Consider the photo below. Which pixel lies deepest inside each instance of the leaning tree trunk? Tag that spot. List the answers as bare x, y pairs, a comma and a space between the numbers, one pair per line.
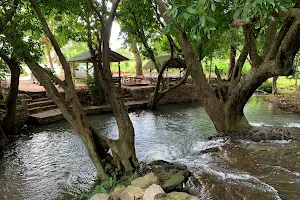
9, 121
137, 58
274, 85
69, 104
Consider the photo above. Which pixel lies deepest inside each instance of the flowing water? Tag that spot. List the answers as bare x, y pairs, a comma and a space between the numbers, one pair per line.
50, 162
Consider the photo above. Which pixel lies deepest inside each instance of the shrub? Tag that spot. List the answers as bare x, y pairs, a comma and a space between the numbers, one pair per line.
266, 86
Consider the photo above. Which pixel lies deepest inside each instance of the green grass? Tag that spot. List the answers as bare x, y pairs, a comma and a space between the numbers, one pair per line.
284, 82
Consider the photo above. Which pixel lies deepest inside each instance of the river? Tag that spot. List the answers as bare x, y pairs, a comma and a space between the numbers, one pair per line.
50, 162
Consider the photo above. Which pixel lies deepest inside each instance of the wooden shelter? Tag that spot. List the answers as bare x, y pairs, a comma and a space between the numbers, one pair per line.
86, 57
161, 60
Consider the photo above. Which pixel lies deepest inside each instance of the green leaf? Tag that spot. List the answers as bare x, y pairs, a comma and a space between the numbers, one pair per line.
237, 14
202, 21
213, 7
191, 10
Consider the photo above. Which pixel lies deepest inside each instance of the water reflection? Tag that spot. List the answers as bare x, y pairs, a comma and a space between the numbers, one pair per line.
50, 162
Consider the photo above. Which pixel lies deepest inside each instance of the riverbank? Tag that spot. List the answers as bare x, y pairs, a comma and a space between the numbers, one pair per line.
51, 160
289, 102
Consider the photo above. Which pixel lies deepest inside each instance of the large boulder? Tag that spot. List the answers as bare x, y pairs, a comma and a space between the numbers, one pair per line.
128, 193
117, 191
171, 176
145, 181
152, 191
100, 197
176, 196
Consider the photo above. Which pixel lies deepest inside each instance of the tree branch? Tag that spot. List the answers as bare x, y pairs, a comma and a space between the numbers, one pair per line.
281, 35
10, 14
96, 11
270, 36
251, 43
64, 63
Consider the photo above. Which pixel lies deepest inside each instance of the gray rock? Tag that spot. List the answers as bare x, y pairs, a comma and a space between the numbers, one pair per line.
131, 192
177, 196
145, 181
152, 191
117, 191
100, 197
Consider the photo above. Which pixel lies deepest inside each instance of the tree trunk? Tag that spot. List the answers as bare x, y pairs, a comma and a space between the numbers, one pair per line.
3, 139
99, 97
232, 62
137, 58
123, 149
48, 49
97, 92
9, 120
274, 85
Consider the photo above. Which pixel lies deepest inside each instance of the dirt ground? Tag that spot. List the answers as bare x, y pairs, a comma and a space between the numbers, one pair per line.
286, 101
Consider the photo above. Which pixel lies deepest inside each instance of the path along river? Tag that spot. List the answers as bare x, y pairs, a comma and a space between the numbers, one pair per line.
50, 162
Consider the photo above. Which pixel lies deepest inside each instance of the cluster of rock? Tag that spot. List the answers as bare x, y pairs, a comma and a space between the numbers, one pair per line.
144, 188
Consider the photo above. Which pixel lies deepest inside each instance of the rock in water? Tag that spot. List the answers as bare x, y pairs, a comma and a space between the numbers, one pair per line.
100, 197
152, 191
145, 181
177, 196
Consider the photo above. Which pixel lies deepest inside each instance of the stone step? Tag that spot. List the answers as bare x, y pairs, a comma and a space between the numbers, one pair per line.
46, 117
127, 95
40, 104
54, 115
41, 99
128, 99
36, 110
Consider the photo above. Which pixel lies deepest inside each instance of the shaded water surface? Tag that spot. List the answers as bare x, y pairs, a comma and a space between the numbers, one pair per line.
50, 162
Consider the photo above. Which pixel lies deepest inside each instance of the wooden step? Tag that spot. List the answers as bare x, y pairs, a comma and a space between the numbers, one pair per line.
36, 110
40, 104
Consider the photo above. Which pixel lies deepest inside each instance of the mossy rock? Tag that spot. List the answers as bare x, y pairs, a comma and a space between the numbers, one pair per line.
171, 176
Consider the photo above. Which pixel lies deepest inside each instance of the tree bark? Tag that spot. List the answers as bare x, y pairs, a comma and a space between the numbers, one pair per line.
98, 98
274, 85
9, 121
137, 58
3, 139
48, 49
232, 62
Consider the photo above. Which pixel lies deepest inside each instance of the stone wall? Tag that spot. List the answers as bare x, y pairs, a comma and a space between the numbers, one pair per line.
184, 93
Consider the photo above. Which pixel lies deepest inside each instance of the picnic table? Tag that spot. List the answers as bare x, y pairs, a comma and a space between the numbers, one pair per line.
133, 79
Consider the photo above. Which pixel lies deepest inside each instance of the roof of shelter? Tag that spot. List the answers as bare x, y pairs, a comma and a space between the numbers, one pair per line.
86, 57
161, 60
